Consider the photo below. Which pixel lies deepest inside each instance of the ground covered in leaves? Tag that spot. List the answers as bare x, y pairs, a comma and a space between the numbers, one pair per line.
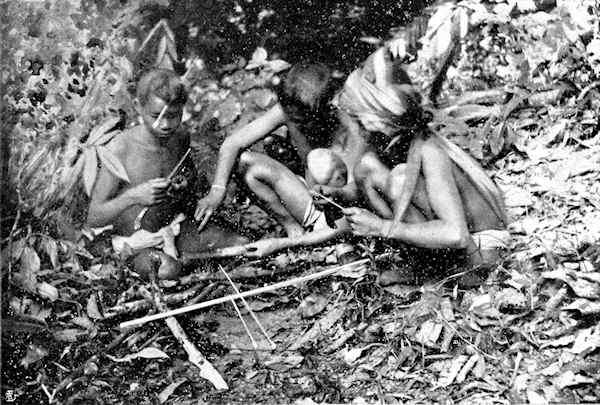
521, 94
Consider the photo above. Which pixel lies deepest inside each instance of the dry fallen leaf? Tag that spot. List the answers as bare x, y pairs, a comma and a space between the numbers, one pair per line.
284, 362
510, 300
169, 390
569, 378
584, 307
312, 305
587, 340
147, 353
34, 353
584, 285
429, 333
448, 374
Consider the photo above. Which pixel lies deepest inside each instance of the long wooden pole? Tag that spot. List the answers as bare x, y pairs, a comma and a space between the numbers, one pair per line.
227, 298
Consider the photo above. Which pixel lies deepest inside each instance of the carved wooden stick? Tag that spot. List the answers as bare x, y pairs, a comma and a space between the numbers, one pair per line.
207, 370
257, 291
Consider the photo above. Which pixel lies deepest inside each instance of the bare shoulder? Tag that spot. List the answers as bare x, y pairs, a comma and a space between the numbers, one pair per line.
121, 143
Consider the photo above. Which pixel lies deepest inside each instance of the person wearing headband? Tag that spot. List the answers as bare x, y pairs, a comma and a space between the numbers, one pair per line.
423, 190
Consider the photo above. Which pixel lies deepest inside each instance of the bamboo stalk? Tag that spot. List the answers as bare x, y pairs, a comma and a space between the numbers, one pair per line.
257, 291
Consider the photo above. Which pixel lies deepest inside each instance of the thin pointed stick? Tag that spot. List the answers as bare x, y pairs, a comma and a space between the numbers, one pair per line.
160, 116
252, 314
329, 200
237, 309
150, 34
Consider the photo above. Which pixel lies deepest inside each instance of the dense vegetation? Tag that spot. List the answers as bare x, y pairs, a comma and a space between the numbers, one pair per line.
516, 83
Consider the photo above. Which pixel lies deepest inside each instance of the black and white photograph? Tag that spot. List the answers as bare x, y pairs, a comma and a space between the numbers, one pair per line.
300, 202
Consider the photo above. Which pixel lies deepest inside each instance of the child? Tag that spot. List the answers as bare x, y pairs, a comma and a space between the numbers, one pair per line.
149, 152
314, 123
324, 167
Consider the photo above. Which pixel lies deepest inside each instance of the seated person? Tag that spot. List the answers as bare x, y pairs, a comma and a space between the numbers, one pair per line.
304, 106
149, 152
424, 191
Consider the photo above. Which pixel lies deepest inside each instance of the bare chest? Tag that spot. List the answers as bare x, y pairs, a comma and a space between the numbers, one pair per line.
144, 164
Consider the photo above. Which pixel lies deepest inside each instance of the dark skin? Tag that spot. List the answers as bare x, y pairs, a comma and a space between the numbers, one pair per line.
445, 209
276, 188
149, 152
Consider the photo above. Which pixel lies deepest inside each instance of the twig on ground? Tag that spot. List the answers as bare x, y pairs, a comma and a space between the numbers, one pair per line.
207, 370
257, 291
239, 314
212, 290
516, 368
12, 232
139, 305
239, 273
252, 314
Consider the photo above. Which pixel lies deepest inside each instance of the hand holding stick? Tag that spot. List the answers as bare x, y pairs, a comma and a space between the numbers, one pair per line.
329, 200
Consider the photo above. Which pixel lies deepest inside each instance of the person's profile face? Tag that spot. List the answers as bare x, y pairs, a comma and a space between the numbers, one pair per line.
339, 176
161, 125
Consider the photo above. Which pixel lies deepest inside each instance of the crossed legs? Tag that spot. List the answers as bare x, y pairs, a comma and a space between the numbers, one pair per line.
276, 189
382, 187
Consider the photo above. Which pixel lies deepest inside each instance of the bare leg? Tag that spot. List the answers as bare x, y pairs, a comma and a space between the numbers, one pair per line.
371, 176
380, 185
394, 188
277, 189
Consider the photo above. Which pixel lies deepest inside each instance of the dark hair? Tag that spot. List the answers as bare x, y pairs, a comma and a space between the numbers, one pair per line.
164, 84
309, 85
305, 94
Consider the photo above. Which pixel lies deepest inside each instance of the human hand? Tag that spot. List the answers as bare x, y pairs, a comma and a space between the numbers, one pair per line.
206, 207
397, 48
364, 223
150, 192
332, 193
263, 247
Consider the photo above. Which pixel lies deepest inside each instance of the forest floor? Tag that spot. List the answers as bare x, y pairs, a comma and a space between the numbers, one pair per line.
530, 333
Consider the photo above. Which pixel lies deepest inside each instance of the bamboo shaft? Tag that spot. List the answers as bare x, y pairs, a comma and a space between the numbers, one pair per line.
227, 298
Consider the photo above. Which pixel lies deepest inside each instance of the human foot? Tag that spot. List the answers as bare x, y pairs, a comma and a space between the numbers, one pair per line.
292, 229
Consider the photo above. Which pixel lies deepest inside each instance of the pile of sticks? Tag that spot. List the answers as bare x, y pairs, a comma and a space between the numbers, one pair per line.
202, 288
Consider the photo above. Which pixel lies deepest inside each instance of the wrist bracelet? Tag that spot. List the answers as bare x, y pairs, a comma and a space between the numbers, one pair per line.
218, 186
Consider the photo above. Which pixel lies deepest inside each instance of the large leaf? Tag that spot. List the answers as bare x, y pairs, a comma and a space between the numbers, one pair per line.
71, 176
90, 169
102, 129
107, 137
112, 163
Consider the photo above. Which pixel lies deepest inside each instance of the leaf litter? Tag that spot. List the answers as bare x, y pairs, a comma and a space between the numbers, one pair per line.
521, 337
